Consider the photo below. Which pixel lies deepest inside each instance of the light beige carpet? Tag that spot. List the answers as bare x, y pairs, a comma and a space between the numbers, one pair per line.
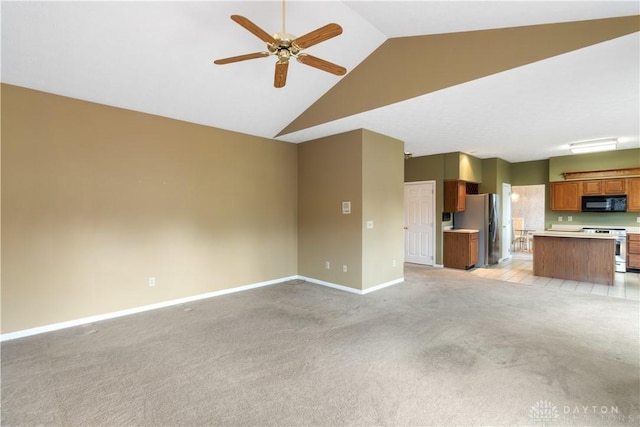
443, 348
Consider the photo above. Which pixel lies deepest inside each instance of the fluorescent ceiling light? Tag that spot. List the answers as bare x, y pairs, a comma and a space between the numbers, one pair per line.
594, 146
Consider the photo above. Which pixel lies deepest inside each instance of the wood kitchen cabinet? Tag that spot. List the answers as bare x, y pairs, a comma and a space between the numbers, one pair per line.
633, 194
603, 186
460, 248
455, 192
614, 186
566, 196
594, 187
633, 250
454, 196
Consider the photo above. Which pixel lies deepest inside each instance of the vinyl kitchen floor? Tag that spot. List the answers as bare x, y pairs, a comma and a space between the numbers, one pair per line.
519, 269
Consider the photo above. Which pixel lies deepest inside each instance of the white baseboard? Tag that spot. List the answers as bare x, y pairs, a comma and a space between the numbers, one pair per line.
106, 316
91, 319
382, 285
348, 289
330, 285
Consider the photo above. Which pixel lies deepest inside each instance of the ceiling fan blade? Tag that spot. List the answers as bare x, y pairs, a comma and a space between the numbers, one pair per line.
280, 78
321, 64
241, 58
253, 28
319, 35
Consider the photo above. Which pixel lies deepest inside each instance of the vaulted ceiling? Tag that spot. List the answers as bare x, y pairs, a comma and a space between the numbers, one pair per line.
519, 80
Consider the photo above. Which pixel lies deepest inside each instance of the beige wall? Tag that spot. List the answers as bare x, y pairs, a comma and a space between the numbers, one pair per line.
451, 165
95, 200
366, 169
495, 172
470, 168
330, 172
619, 159
530, 173
383, 203
462, 166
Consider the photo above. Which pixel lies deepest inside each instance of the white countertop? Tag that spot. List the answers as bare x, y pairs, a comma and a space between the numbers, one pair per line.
574, 234
579, 227
461, 230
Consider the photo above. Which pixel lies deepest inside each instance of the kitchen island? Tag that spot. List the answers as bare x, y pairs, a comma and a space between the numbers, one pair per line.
579, 256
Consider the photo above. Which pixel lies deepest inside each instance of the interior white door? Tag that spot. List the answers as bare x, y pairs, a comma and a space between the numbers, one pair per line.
506, 221
419, 220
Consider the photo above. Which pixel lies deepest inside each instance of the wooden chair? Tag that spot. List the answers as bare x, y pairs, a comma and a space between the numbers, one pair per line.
519, 240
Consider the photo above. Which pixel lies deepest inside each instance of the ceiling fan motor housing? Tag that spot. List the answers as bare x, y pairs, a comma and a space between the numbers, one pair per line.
285, 46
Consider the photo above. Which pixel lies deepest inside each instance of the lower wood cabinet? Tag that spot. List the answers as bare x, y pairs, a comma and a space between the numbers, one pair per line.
460, 248
633, 250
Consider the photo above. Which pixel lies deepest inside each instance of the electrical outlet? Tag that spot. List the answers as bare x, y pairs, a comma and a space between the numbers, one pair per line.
569, 218
638, 220
152, 281
559, 219
327, 265
393, 263
344, 268
369, 224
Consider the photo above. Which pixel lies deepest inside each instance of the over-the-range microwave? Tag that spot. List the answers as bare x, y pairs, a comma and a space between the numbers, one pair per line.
604, 203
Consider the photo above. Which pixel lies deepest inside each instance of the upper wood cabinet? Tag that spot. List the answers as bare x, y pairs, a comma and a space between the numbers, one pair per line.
454, 195
614, 186
594, 187
603, 186
566, 196
633, 194
455, 192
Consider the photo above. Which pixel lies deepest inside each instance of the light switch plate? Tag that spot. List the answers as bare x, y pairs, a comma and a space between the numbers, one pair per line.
369, 224
346, 207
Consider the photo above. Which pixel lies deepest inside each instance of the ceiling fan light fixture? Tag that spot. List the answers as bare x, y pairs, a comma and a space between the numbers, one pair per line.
594, 146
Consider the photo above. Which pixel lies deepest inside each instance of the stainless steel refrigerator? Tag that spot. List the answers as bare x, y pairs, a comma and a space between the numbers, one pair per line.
481, 213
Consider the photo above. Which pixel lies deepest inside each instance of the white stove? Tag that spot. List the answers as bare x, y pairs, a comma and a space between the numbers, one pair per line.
621, 244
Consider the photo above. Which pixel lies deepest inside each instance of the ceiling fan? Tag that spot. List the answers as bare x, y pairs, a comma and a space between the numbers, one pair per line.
286, 46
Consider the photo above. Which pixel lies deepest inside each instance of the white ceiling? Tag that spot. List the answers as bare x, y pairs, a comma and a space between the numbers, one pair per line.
156, 57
